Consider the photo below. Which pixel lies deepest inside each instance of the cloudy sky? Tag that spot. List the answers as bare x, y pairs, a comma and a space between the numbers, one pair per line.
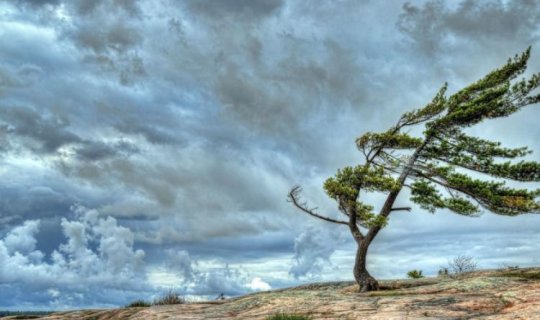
149, 145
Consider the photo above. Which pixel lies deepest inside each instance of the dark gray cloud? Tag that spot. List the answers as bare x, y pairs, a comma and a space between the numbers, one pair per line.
278, 99
248, 9
106, 33
46, 132
19, 77
96, 150
184, 125
152, 133
37, 3
37, 201
85, 8
434, 26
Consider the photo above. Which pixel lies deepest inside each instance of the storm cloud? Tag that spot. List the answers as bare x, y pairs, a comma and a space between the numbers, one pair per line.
155, 143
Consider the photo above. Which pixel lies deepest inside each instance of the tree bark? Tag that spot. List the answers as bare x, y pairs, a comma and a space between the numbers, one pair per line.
365, 281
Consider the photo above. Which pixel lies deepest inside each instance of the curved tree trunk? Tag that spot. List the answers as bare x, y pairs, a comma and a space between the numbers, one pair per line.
365, 281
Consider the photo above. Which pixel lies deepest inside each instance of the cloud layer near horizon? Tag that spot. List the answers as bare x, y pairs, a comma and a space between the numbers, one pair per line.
182, 125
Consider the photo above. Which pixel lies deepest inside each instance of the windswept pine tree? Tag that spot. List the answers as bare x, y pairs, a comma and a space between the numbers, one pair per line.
445, 168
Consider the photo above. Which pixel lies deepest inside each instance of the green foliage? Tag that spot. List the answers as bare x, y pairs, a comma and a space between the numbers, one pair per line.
429, 198
415, 274
284, 316
389, 139
459, 147
461, 206
348, 181
490, 97
433, 109
426, 195
481, 155
487, 104
494, 195
521, 171
367, 218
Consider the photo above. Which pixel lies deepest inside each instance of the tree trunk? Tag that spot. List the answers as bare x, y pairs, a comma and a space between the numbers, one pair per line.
365, 281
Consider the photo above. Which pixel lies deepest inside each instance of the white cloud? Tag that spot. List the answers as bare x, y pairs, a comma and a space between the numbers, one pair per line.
204, 278
22, 239
98, 255
257, 284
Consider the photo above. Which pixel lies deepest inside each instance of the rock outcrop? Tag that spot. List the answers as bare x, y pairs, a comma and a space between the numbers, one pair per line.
502, 294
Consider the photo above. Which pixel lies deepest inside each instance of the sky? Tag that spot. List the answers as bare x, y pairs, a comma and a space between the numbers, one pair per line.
148, 145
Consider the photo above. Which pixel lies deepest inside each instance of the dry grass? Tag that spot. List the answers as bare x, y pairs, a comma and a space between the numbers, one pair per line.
283, 316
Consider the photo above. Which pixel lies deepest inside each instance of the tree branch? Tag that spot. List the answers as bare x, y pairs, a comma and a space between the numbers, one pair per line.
353, 226
295, 200
401, 209
342, 208
482, 202
391, 198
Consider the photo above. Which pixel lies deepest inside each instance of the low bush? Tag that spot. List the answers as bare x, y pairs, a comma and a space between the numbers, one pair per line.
415, 274
139, 304
507, 267
443, 272
462, 264
170, 297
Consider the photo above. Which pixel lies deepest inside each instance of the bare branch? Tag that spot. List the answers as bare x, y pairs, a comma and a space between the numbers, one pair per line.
366, 155
294, 198
462, 264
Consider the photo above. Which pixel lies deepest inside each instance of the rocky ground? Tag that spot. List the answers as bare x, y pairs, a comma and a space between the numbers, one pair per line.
502, 294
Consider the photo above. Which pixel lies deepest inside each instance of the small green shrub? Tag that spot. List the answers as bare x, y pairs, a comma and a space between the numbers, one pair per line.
170, 297
415, 274
443, 272
139, 304
284, 316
